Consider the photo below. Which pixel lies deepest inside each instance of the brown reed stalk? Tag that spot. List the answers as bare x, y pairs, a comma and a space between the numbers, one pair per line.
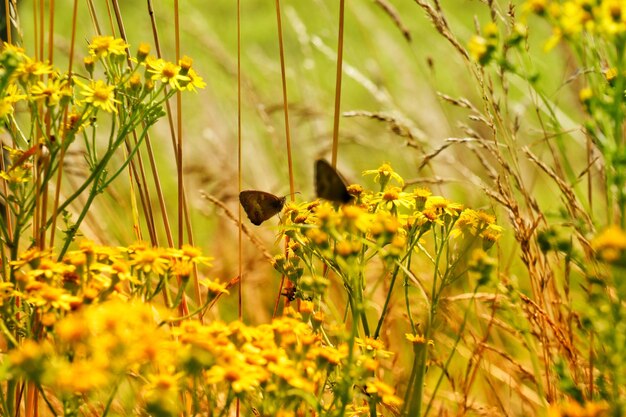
182, 214
41, 232
287, 135
338, 77
94, 19
239, 172
285, 99
7, 13
57, 192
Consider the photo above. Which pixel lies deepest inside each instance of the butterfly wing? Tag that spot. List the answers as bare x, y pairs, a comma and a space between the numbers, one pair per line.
328, 183
259, 205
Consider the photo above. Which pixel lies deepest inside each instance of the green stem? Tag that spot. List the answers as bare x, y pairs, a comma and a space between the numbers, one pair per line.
394, 276
379, 326
452, 351
417, 393
110, 400
71, 233
11, 391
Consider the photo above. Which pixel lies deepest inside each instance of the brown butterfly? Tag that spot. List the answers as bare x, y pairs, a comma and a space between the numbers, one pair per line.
328, 183
260, 206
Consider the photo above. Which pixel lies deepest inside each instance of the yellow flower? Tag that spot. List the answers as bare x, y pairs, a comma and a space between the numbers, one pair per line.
585, 95
11, 48
89, 63
214, 286
13, 94
571, 408
142, 51
79, 377
185, 64
416, 339
74, 122
480, 49
30, 358
392, 198
491, 31
285, 370
421, 195
330, 355
357, 217
354, 410
573, 18
6, 108
383, 174
51, 92
612, 17
163, 382
149, 260
441, 205
166, 72
610, 244
373, 346
162, 391
610, 74
29, 70
317, 237
195, 81
384, 392
236, 373
491, 235
100, 95
102, 46
535, 6
191, 254
556, 37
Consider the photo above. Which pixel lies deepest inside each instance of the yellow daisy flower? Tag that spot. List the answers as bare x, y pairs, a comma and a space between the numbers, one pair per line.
166, 72
50, 92
100, 95
30, 70
102, 46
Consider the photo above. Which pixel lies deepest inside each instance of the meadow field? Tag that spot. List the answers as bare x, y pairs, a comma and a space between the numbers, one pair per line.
324, 208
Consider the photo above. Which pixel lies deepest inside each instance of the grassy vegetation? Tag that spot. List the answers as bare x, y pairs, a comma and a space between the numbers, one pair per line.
475, 270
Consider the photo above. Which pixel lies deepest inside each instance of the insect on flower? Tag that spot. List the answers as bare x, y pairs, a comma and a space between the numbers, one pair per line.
329, 184
260, 206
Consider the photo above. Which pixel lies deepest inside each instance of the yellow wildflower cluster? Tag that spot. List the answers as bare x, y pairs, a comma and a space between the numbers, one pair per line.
27, 80
127, 93
572, 18
94, 273
390, 223
91, 349
106, 346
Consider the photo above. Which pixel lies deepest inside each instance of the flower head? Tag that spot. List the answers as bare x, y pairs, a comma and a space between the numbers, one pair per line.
166, 72
103, 46
383, 174
50, 92
610, 244
100, 95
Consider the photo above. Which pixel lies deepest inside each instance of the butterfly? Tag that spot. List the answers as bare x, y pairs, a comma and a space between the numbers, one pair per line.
328, 183
260, 206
